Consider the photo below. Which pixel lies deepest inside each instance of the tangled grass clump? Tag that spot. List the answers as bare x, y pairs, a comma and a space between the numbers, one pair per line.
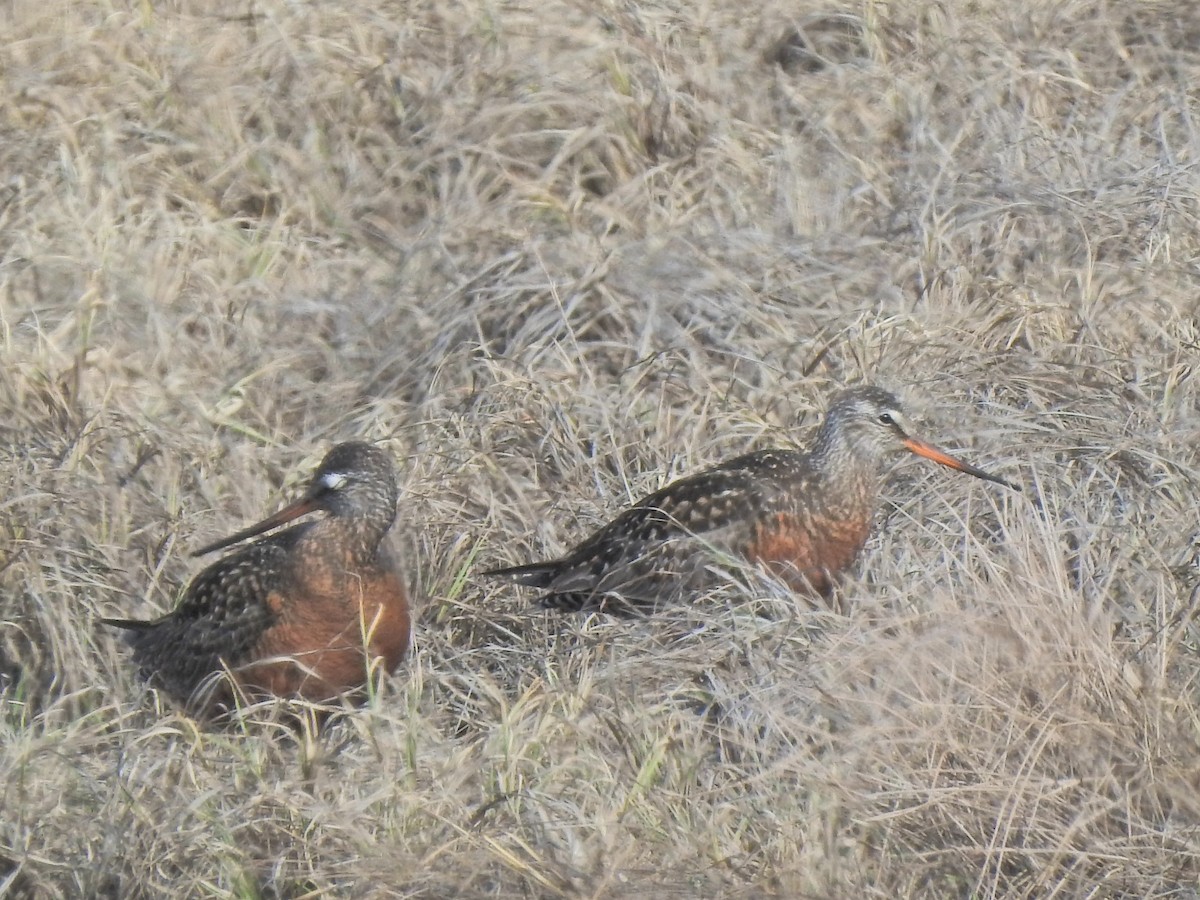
553, 256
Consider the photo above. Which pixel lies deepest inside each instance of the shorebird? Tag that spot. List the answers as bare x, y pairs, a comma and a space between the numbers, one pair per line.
802, 515
302, 613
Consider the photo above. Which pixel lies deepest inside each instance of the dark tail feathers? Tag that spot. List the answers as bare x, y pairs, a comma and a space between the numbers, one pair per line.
129, 624
537, 575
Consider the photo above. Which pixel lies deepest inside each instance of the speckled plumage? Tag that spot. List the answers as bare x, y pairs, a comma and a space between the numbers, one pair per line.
290, 614
804, 516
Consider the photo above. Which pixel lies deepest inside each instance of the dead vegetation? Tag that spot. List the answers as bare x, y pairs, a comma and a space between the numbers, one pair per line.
555, 255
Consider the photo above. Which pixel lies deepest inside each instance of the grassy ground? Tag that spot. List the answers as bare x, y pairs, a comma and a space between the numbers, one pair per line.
555, 254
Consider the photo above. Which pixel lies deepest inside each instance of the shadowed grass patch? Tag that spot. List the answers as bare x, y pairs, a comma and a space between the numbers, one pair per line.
556, 256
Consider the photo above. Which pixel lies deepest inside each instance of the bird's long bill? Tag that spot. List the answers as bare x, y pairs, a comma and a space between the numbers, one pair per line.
941, 456
305, 504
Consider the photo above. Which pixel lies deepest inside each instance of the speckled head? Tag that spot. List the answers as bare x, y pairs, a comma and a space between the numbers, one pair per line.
355, 481
865, 423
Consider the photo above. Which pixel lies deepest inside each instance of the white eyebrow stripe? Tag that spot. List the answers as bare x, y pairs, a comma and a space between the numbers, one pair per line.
333, 480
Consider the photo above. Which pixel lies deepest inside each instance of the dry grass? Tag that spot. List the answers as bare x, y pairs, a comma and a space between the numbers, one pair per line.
555, 254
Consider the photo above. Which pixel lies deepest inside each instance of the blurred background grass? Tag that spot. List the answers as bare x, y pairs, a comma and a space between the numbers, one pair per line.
554, 255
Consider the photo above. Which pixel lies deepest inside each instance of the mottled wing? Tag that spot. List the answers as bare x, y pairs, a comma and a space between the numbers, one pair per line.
665, 544
222, 615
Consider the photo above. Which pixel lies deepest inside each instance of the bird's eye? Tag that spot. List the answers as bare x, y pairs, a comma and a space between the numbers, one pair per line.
334, 480
886, 419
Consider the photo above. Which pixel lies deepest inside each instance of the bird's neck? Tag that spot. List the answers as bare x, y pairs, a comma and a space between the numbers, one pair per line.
358, 536
845, 468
